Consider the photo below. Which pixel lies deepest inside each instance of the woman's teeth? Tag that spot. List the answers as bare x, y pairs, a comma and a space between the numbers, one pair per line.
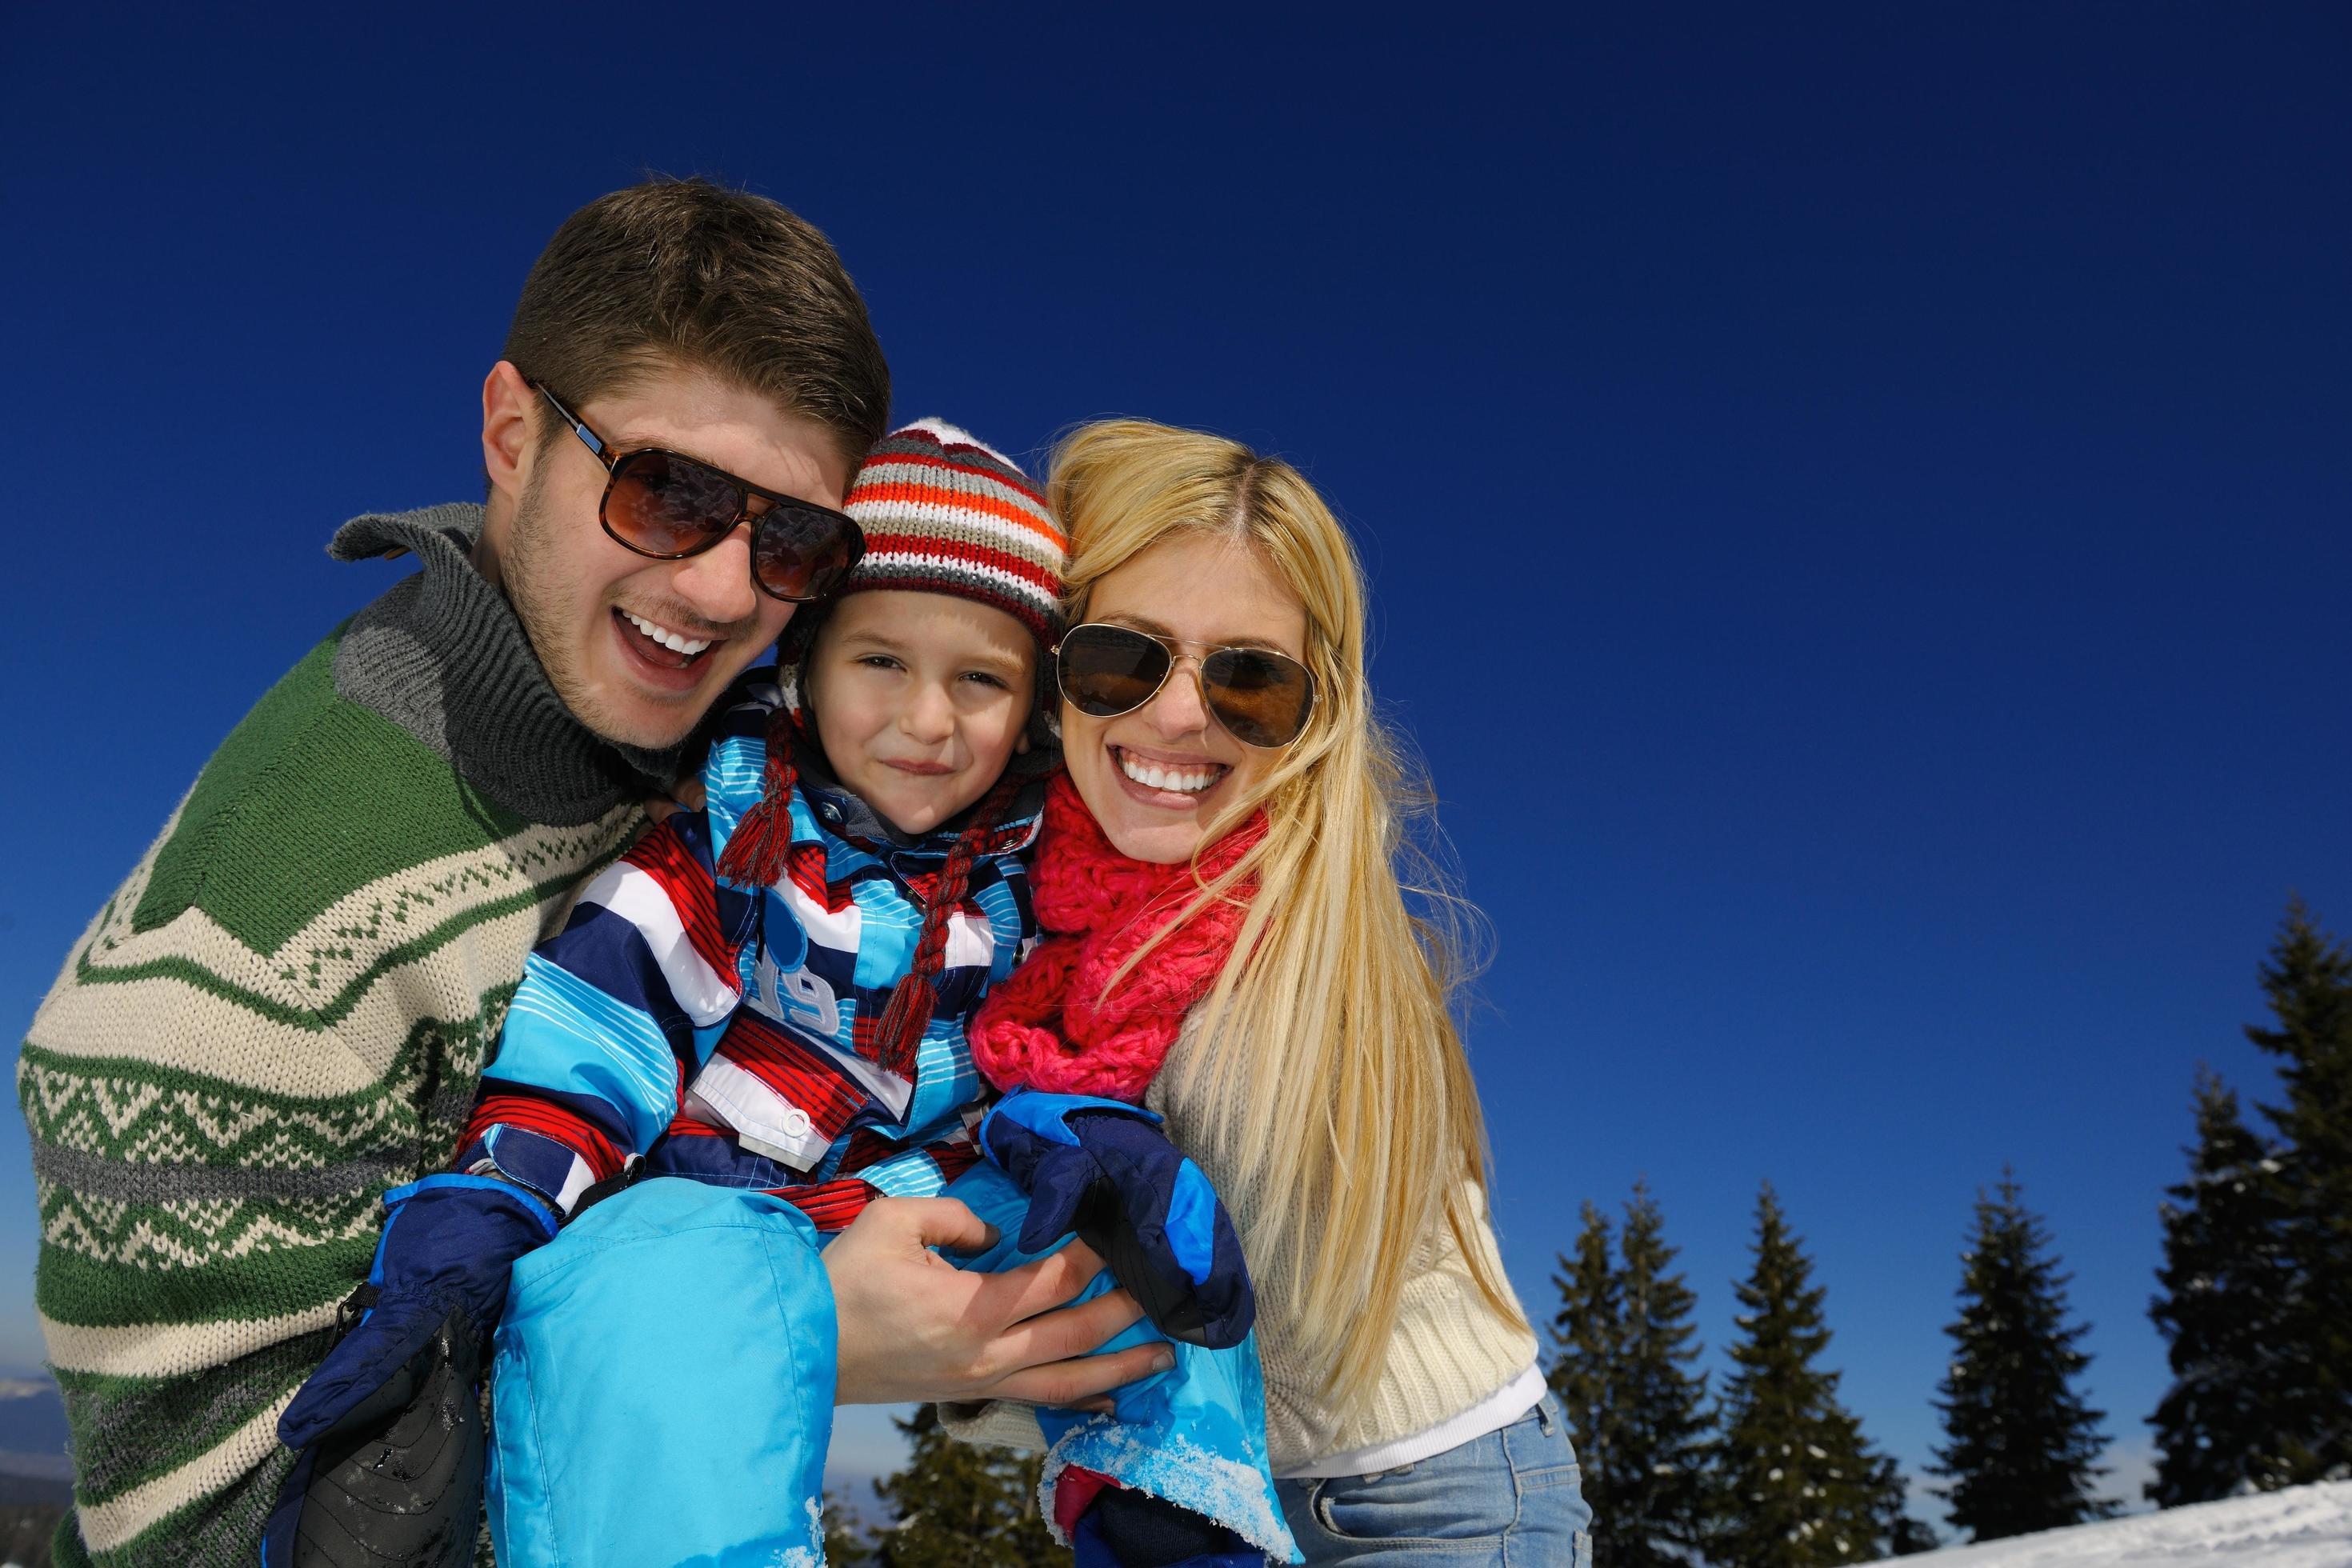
666, 637
1184, 780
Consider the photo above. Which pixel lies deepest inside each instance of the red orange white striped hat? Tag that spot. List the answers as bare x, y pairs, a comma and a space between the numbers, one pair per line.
943, 512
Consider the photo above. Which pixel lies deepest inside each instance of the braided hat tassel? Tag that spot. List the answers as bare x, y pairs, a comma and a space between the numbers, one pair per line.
763, 840
915, 996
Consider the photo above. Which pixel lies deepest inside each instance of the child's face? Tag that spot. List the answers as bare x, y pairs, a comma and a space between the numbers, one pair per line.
920, 700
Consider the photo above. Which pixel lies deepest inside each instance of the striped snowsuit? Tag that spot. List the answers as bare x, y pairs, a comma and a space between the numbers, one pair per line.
727, 1036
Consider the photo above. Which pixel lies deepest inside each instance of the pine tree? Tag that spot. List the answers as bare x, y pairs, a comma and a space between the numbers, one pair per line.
1587, 1339
1898, 1533
1796, 1486
962, 1507
2022, 1444
846, 1544
1657, 1485
2308, 983
2226, 1285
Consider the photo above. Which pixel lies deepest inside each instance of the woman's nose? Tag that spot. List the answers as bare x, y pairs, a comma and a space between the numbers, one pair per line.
1178, 710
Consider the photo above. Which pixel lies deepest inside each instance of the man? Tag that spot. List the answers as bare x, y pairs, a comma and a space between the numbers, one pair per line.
283, 1012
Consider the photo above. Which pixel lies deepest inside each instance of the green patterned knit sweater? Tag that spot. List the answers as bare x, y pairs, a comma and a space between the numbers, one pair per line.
281, 1014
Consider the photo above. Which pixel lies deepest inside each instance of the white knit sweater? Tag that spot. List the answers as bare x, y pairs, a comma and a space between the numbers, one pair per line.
1450, 1350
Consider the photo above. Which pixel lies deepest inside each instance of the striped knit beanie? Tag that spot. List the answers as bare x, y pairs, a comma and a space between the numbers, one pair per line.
944, 513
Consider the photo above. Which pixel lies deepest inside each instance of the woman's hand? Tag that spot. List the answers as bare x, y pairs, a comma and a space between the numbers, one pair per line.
916, 1329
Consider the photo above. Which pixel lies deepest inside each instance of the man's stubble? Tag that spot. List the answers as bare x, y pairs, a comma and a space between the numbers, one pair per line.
541, 586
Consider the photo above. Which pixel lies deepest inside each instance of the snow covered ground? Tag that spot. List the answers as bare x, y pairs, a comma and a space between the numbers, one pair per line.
2302, 1527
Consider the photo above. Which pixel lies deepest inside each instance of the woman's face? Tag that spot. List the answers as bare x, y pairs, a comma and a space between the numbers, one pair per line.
1205, 591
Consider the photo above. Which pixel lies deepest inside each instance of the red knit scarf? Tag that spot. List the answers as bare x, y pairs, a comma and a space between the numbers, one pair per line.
1048, 1027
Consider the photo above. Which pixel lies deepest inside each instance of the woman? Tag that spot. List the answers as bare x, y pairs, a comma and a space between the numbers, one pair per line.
1216, 722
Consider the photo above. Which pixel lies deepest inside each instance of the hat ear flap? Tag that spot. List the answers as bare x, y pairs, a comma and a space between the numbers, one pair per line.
1041, 738
796, 654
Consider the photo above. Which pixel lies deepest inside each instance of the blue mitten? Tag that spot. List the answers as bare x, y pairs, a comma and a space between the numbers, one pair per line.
433, 1295
1124, 1528
1104, 1171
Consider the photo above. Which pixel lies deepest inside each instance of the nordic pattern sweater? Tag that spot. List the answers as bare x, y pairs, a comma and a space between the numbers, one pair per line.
282, 1013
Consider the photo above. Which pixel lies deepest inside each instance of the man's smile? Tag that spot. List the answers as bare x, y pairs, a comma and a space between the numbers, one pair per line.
676, 642
664, 657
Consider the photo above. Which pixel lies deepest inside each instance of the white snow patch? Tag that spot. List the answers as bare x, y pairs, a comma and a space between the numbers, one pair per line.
2300, 1527
1184, 1472
809, 1556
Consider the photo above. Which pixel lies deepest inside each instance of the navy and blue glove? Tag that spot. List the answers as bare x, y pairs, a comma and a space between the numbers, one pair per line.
388, 1428
1124, 1528
1102, 1170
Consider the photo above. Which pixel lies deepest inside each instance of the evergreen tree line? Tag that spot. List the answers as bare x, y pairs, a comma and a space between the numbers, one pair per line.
954, 1506
1771, 1470
1774, 1471
2255, 1302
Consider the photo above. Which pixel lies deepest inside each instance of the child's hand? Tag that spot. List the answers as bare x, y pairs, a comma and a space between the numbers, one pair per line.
406, 1371
1104, 1171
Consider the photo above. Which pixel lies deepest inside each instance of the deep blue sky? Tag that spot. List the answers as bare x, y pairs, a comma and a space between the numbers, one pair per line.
1857, 501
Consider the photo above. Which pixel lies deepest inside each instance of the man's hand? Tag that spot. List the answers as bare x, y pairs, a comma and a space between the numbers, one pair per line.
915, 1328
685, 795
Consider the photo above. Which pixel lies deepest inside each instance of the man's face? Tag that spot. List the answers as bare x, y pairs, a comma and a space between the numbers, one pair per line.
639, 649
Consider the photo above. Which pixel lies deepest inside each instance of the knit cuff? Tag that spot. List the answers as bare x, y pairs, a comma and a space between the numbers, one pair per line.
994, 1424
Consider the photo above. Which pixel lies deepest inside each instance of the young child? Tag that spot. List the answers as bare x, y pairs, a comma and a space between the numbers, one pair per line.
769, 995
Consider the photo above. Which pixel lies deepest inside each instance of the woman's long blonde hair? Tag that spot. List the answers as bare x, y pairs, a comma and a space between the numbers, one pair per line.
1328, 1049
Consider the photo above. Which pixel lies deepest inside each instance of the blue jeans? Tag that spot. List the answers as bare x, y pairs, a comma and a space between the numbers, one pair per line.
1512, 1499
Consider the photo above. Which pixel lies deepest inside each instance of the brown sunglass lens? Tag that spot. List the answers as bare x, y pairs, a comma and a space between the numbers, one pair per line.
1262, 698
1107, 672
669, 506
800, 554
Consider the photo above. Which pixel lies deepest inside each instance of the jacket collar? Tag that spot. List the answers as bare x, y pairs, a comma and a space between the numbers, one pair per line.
442, 655
836, 811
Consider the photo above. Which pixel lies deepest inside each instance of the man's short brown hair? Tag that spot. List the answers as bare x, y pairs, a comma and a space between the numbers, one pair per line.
684, 272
